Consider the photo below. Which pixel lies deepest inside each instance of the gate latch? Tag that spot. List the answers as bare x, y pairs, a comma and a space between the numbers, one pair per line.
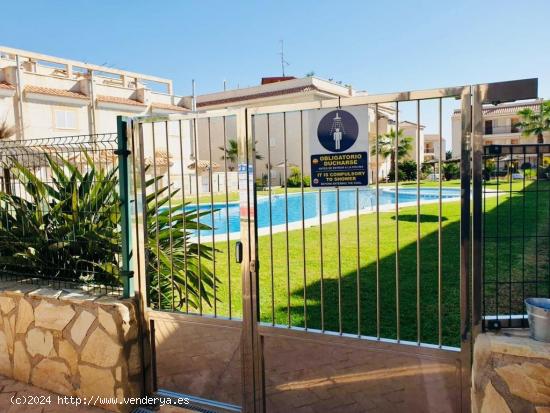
239, 252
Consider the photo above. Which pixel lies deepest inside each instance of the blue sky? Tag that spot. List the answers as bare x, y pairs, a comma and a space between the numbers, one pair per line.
377, 46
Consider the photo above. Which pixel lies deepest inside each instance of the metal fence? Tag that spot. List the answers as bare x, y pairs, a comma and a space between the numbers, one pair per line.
243, 285
60, 212
516, 228
325, 254
353, 261
186, 195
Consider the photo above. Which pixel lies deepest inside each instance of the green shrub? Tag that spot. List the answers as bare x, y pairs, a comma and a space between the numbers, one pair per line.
406, 171
295, 179
451, 170
69, 229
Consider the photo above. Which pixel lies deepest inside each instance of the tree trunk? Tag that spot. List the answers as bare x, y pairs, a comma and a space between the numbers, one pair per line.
392, 165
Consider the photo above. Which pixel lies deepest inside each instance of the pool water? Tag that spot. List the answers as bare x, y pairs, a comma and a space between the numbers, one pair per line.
348, 200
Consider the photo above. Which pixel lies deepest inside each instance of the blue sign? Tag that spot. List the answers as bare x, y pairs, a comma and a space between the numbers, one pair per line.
337, 131
345, 169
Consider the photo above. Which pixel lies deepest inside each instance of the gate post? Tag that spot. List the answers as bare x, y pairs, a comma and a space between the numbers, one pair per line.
251, 345
465, 246
477, 209
134, 236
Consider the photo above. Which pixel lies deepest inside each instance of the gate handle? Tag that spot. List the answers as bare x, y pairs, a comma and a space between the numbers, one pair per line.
239, 252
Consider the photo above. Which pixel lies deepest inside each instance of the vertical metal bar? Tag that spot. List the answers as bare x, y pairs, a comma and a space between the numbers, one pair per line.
477, 209
184, 220
497, 243
269, 183
211, 188
338, 240
124, 196
484, 272
465, 243
141, 211
396, 179
197, 158
439, 230
523, 196
157, 224
251, 346
303, 215
228, 238
321, 267
547, 238
286, 224
510, 202
418, 326
171, 239
537, 191
377, 222
358, 269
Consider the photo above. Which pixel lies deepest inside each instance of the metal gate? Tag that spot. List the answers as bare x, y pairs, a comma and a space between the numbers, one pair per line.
308, 299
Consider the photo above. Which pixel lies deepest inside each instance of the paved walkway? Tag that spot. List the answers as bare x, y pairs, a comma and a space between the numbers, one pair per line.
12, 391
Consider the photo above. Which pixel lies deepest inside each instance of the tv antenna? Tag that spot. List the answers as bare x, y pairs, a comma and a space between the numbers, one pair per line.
283, 61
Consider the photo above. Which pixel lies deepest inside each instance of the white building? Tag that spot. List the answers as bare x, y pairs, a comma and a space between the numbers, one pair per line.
500, 125
286, 90
432, 146
45, 96
411, 130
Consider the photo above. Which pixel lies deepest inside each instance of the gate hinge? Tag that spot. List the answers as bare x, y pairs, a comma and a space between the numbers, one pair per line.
125, 273
122, 152
254, 266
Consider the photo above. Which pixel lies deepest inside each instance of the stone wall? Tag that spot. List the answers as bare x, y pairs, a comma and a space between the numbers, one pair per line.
69, 342
511, 373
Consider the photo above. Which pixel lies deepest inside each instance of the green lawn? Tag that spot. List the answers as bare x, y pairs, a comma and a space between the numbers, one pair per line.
506, 258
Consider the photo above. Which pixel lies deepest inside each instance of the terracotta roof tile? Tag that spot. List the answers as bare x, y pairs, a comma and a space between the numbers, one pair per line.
300, 89
511, 109
167, 106
119, 100
6, 85
203, 165
54, 92
161, 158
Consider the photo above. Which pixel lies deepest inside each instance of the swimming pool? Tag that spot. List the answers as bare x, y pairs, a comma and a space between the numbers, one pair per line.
348, 200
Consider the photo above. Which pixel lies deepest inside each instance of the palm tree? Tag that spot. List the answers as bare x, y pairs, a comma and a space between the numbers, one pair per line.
6, 131
231, 153
386, 147
535, 124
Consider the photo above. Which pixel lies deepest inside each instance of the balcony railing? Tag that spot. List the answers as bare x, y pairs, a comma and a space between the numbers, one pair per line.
497, 130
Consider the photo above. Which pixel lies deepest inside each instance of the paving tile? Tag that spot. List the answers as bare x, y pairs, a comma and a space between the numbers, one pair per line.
9, 388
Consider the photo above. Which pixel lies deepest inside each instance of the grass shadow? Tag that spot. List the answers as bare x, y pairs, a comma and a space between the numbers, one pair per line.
423, 218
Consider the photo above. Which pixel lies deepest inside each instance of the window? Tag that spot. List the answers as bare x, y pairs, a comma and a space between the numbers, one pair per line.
272, 142
488, 127
65, 119
501, 125
515, 127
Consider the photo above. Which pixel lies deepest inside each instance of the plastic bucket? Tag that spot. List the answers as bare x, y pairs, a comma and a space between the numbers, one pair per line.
538, 310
